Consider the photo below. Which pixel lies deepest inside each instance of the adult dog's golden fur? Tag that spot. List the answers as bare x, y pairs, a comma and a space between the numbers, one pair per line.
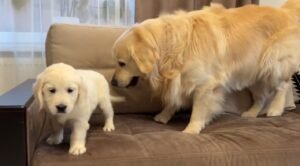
194, 58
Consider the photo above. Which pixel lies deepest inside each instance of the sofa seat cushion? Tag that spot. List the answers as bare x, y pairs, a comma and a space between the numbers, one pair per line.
228, 140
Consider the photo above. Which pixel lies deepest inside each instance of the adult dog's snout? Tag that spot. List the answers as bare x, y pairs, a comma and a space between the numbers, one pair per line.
114, 82
133, 82
61, 108
126, 83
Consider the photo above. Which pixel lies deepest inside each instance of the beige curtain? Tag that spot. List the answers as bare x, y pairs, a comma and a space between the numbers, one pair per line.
145, 9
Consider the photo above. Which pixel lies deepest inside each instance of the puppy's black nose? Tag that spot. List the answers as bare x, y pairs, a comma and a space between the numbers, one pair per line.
61, 108
114, 82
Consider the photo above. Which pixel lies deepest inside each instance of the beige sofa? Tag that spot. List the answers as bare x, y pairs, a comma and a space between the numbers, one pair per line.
138, 140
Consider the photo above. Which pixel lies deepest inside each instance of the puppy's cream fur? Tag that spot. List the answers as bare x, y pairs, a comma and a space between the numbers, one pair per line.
194, 58
81, 91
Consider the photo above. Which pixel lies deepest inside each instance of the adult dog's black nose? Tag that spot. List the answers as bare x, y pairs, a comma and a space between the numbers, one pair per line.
61, 108
114, 82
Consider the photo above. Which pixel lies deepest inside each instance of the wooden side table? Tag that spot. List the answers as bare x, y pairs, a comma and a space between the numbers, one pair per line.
13, 141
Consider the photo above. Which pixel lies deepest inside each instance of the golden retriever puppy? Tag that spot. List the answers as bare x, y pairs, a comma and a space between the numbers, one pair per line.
70, 96
193, 58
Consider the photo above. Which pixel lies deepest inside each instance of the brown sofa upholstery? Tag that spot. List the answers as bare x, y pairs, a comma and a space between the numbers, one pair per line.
138, 140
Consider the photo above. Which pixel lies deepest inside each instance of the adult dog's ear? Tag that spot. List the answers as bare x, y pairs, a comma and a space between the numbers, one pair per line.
173, 45
144, 58
145, 50
37, 91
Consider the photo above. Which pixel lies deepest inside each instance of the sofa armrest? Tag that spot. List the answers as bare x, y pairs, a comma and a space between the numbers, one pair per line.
37, 127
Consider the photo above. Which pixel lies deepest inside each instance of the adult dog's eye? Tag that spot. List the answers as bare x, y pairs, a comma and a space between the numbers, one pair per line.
122, 64
52, 91
70, 90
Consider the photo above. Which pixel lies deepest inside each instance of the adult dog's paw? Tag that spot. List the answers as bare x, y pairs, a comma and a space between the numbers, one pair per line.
162, 118
109, 127
190, 131
193, 128
249, 114
274, 113
54, 140
77, 149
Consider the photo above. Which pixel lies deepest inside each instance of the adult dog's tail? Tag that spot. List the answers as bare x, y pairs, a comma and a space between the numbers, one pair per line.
293, 6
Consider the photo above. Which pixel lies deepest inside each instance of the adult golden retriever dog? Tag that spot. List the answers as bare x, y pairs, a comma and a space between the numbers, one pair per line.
194, 58
70, 96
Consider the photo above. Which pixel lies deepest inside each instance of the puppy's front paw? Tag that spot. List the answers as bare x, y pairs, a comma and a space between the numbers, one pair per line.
54, 140
162, 118
109, 127
77, 149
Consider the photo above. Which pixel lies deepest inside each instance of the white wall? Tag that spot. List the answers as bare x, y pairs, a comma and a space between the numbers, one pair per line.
274, 3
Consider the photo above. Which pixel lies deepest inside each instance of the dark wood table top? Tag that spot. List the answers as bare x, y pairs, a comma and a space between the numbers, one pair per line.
18, 97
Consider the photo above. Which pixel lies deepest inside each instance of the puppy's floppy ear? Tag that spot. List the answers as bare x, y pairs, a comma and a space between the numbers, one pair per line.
37, 90
82, 91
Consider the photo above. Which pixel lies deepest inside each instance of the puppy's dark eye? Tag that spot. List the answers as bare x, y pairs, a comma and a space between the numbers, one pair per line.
52, 91
70, 90
122, 64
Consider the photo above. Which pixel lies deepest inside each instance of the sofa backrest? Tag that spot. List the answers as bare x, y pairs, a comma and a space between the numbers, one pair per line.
90, 47
81, 46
